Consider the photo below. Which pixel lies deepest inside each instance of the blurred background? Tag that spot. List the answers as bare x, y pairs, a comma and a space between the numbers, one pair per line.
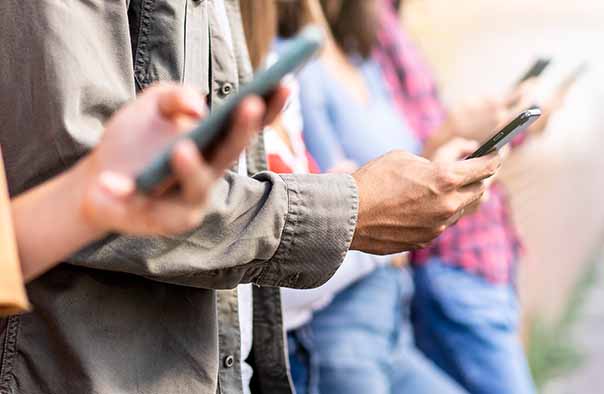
556, 183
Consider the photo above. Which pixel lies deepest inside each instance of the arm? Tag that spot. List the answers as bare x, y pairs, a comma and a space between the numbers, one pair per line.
56, 97
264, 230
12, 293
319, 136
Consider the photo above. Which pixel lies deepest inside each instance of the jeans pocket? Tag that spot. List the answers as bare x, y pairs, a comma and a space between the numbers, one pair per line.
467, 298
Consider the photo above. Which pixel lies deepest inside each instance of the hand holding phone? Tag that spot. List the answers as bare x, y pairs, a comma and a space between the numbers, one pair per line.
536, 70
213, 129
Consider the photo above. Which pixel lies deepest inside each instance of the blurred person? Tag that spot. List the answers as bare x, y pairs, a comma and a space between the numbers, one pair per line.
136, 293
466, 310
354, 334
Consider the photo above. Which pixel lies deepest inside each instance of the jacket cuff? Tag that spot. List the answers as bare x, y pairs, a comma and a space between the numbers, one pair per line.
320, 223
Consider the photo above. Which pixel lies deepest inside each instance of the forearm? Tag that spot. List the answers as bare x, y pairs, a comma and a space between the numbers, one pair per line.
49, 224
289, 231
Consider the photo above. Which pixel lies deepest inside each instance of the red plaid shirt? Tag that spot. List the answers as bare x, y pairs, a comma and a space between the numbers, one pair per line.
485, 243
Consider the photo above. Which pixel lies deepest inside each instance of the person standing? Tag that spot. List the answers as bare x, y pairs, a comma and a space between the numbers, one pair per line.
466, 309
165, 302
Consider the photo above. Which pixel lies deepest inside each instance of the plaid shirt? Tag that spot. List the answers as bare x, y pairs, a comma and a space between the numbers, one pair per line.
485, 243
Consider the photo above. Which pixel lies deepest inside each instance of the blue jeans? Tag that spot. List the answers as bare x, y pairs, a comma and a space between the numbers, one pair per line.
362, 343
469, 328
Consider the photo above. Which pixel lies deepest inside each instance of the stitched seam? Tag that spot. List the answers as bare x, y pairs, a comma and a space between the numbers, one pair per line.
8, 354
287, 236
142, 54
352, 221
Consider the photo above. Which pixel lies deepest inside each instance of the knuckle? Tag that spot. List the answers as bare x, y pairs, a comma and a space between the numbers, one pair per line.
495, 165
437, 231
396, 155
449, 208
445, 180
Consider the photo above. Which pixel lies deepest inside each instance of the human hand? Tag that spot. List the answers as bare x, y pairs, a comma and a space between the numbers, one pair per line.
555, 102
479, 118
476, 119
407, 201
458, 149
140, 131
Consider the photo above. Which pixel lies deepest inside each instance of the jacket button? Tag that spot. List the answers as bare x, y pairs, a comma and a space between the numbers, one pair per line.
229, 361
226, 89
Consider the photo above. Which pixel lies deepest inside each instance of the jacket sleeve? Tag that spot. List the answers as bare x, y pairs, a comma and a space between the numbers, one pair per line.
64, 69
277, 231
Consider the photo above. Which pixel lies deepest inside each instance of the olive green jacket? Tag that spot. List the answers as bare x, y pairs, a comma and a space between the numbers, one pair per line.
142, 315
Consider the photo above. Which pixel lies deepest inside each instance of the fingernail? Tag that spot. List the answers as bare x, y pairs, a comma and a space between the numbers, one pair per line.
116, 184
255, 105
195, 102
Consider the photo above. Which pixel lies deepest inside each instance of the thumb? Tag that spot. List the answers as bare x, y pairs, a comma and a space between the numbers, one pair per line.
175, 101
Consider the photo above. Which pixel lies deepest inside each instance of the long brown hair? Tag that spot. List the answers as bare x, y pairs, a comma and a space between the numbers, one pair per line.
353, 23
260, 26
292, 16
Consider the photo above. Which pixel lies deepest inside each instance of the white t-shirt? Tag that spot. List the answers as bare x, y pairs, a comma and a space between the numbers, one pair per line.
245, 300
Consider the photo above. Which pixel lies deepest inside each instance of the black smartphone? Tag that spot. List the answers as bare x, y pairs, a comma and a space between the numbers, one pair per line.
505, 135
212, 129
536, 69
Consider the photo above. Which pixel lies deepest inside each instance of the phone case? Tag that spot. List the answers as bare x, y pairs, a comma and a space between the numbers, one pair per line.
209, 132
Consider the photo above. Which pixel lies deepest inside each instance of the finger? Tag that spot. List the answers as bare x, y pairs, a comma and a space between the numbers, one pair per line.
191, 172
247, 122
174, 101
471, 195
456, 150
475, 170
169, 215
114, 203
473, 208
276, 103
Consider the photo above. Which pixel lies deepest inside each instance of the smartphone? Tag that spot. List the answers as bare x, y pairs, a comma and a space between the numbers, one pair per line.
536, 69
214, 128
505, 135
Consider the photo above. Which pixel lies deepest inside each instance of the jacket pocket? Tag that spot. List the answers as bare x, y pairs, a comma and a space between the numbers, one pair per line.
170, 42
9, 331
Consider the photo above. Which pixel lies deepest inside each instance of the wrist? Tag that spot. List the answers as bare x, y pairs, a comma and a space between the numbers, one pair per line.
49, 223
82, 179
357, 237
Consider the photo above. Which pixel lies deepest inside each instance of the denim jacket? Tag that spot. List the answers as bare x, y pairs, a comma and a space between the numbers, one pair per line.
151, 315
